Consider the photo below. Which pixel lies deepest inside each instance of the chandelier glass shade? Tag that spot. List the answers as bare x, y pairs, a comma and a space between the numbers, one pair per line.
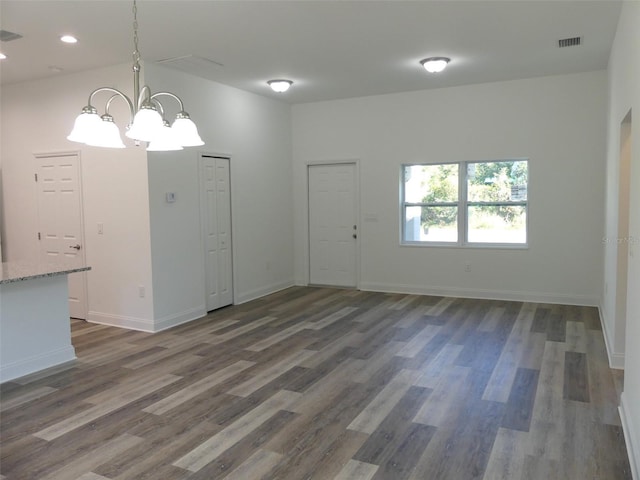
147, 121
167, 141
106, 134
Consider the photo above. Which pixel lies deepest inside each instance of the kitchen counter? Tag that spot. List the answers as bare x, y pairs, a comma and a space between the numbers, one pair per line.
19, 271
35, 328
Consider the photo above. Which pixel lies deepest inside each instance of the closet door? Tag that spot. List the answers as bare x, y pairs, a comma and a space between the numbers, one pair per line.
215, 187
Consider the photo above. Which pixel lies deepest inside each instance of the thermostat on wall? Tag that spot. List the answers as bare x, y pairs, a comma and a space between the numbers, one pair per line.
171, 197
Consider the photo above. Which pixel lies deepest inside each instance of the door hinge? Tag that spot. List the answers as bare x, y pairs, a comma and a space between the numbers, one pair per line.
36, 175
39, 237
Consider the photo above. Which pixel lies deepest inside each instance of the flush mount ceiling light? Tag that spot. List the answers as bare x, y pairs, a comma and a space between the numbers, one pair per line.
68, 39
146, 116
280, 86
435, 64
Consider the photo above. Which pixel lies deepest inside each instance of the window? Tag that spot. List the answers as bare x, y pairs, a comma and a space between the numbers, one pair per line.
466, 203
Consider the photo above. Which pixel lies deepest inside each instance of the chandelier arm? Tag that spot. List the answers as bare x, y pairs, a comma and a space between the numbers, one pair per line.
117, 93
108, 104
145, 94
169, 94
159, 106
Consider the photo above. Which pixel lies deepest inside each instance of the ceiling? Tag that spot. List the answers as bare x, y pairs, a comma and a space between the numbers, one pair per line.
330, 49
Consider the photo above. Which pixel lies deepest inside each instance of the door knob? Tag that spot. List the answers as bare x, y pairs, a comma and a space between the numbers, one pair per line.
77, 247
355, 236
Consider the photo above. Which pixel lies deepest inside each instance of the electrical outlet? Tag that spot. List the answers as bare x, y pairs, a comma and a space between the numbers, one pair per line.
467, 267
141, 291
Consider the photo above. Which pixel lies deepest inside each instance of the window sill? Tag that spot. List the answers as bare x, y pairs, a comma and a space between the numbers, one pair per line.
473, 246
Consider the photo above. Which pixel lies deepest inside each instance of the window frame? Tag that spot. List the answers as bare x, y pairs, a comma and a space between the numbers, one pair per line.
462, 205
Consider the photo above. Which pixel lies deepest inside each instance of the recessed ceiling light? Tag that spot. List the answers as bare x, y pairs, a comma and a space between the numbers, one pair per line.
2, 56
280, 86
435, 64
68, 39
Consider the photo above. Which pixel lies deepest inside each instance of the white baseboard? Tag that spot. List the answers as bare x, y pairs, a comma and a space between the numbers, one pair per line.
179, 318
630, 436
616, 359
261, 292
146, 325
132, 323
508, 295
36, 363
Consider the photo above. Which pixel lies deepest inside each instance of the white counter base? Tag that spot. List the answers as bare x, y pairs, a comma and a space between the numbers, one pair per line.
35, 330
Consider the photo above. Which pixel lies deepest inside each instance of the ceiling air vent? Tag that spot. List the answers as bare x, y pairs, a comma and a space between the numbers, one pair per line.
6, 36
569, 42
191, 61
194, 65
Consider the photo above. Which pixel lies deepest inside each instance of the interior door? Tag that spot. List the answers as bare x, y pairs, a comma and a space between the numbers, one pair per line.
215, 189
60, 221
332, 225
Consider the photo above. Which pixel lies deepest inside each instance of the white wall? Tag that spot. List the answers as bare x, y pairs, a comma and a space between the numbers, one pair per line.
2, 235
624, 96
556, 122
36, 118
256, 132
147, 242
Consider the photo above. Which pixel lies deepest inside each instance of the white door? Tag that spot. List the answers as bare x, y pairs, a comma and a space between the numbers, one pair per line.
60, 221
332, 225
215, 188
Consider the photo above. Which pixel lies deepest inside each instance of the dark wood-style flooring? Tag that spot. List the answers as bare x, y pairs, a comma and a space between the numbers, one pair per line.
319, 383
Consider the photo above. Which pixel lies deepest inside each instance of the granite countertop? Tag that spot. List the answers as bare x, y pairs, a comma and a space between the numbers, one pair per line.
19, 271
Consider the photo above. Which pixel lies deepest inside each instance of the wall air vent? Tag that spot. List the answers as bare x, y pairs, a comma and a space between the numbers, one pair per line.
569, 42
6, 36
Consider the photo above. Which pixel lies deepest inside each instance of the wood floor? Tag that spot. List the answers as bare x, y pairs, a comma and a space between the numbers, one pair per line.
317, 383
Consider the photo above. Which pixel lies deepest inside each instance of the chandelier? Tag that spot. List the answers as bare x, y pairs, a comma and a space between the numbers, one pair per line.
147, 121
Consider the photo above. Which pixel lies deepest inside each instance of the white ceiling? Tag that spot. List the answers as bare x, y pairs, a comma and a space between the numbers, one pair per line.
330, 49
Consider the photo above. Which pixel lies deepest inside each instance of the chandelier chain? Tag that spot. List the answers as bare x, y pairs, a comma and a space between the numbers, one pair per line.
136, 53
